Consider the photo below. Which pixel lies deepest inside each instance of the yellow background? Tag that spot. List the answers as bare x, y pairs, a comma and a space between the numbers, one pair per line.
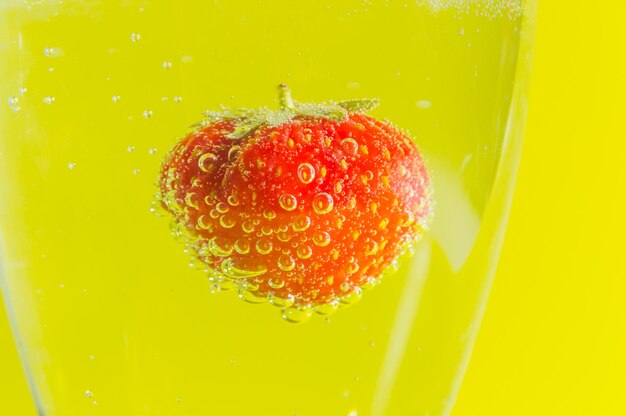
553, 341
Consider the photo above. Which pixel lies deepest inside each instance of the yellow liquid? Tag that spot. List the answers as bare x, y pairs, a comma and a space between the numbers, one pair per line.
110, 318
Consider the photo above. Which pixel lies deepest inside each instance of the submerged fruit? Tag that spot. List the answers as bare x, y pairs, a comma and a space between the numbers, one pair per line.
303, 206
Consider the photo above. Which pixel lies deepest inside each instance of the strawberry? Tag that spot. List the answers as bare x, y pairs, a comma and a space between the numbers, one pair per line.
303, 207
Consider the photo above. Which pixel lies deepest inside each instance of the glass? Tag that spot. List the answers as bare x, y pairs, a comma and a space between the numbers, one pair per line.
108, 316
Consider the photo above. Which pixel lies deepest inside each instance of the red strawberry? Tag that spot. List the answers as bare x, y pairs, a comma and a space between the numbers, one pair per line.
302, 206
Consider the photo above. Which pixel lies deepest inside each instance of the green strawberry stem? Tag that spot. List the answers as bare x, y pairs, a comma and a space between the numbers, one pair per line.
247, 120
284, 98
334, 109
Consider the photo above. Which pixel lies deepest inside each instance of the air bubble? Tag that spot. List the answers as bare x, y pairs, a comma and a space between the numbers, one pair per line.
166, 65
276, 283
178, 99
424, 104
288, 202
247, 226
328, 308
371, 247
48, 100
71, 165
407, 219
323, 203
147, 114
230, 269
281, 302
370, 283
13, 101
227, 221
296, 316
233, 152
321, 238
135, 37
171, 201
88, 394
215, 288
344, 287
116, 98
192, 200
286, 263
350, 146
242, 246
304, 252
352, 268
218, 248
269, 214
306, 173
152, 151
53, 52
203, 222
263, 246
352, 297
130, 149
222, 208
232, 200
23, 90
136, 171
301, 223
206, 162
283, 236
250, 297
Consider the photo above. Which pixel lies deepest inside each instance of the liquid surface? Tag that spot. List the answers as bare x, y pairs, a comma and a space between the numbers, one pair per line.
112, 319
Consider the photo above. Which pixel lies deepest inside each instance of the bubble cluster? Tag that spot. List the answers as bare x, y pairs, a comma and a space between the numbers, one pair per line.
487, 8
